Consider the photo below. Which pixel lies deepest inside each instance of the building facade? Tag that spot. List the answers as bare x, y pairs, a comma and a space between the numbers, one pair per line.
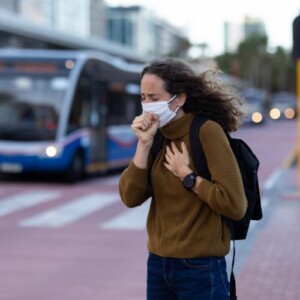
235, 33
140, 29
133, 27
82, 18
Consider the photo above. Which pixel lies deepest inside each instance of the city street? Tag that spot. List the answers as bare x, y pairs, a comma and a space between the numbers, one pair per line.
79, 242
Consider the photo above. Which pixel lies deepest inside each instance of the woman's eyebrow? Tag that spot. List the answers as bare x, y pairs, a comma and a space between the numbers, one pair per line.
148, 94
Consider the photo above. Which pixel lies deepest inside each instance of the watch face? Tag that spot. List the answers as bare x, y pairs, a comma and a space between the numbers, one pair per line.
189, 180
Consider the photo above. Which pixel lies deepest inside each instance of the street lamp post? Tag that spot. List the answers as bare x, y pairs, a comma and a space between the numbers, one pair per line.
296, 56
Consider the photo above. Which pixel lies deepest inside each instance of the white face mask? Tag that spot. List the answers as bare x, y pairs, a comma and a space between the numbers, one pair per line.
162, 110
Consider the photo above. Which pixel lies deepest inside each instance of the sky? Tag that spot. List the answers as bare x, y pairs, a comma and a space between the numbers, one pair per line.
203, 20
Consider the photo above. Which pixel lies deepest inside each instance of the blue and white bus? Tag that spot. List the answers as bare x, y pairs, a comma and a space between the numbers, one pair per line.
66, 112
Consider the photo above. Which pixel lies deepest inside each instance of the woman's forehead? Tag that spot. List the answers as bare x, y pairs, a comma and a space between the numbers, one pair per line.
152, 83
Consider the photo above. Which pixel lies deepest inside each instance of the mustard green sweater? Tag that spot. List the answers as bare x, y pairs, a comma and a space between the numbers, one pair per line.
181, 223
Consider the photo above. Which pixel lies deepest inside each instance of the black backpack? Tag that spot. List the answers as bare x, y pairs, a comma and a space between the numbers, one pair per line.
248, 165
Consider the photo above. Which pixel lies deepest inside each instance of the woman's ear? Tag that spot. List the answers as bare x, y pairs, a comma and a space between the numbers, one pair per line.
181, 98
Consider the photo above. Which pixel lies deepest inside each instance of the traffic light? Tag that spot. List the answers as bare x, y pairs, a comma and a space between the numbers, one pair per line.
296, 38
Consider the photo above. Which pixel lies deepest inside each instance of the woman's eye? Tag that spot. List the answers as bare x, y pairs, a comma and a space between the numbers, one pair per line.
152, 100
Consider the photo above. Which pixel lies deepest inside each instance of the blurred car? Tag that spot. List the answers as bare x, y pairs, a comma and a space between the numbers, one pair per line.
283, 106
254, 106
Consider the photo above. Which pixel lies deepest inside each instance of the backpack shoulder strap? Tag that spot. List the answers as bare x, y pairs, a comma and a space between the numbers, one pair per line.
196, 147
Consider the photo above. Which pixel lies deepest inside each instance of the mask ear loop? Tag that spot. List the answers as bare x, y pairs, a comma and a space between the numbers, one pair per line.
176, 110
172, 99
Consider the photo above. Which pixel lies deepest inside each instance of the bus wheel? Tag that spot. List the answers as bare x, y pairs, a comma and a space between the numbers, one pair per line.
75, 170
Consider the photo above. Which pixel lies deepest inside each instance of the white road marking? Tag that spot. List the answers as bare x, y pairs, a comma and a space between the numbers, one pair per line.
132, 219
24, 200
272, 179
73, 211
113, 180
270, 183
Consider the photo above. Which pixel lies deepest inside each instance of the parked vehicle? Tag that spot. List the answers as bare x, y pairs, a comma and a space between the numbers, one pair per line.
283, 106
254, 106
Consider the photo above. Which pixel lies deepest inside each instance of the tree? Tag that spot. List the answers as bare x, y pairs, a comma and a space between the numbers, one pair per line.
182, 49
283, 70
252, 61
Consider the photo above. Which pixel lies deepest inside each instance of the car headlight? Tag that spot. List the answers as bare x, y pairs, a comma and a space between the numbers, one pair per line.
289, 113
275, 113
257, 117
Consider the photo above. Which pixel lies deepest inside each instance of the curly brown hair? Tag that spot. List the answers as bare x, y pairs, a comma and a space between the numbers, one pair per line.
206, 94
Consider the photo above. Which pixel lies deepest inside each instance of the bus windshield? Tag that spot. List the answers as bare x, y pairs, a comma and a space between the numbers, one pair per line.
30, 102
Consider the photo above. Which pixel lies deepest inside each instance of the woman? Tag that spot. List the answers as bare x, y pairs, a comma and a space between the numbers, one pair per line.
187, 236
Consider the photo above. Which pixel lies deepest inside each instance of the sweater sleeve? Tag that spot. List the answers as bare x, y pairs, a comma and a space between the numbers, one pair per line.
133, 185
225, 192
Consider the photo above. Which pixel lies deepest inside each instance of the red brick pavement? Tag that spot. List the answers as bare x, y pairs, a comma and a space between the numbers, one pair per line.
272, 269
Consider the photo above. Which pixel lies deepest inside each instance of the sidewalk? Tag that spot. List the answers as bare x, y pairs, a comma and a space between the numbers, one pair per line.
271, 270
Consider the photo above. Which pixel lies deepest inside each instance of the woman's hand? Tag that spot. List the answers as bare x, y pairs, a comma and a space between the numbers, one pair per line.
145, 127
177, 162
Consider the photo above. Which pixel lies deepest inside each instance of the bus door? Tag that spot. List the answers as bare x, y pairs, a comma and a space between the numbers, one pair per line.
89, 111
98, 151
123, 105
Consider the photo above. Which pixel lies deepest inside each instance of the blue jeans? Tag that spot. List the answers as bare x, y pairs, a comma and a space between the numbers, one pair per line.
187, 279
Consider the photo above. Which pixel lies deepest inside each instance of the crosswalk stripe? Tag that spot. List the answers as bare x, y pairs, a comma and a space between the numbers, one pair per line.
114, 180
132, 219
18, 202
68, 213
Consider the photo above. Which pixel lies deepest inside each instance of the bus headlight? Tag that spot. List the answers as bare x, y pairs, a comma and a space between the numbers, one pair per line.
51, 151
257, 117
275, 113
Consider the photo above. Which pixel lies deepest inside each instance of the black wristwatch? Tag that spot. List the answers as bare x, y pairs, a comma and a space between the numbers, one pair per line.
189, 180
